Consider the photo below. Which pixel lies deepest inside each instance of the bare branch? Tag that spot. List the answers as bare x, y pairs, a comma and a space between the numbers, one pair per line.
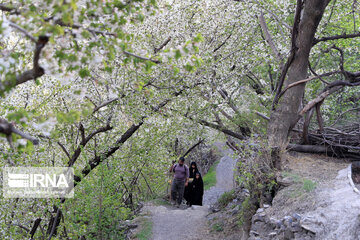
193, 147
268, 37
20, 226
263, 116
343, 113
97, 108
8, 128
223, 43
98, 159
64, 149
336, 37
8, 9
220, 128
318, 99
290, 59
35, 226
305, 81
84, 141
156, 50
142, 58
27, 34
37, 70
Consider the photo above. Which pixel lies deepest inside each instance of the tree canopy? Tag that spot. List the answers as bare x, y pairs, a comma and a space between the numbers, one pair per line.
108, 86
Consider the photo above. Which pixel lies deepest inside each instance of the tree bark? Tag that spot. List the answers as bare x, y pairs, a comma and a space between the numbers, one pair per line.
285, 115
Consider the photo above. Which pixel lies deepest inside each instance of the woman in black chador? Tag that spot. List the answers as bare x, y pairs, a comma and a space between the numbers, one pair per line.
192, 173
197, 190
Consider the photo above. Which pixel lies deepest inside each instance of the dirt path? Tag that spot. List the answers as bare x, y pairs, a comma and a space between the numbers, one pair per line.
224, 176
170, 223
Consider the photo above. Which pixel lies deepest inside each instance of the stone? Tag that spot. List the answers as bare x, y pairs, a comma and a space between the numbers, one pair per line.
214, 210
272, 234
257, 218
310, 224
260, 210
288, 234
234, 211
253, 233
295, 227
296, 216
266, 205
279, 223
288, 221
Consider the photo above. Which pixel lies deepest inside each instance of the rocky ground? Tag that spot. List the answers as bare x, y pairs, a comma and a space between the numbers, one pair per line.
330, 211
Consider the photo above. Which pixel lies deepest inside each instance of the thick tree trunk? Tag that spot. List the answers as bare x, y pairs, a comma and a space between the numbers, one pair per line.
285, 115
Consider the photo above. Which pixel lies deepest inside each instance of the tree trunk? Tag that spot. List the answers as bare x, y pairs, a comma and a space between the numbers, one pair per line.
285, 115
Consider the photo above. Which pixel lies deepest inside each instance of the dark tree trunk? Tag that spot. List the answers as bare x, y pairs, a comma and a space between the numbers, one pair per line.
285, 115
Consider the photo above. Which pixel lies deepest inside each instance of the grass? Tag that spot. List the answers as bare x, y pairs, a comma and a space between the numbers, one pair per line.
210, 177
146, 230
226, 198
161, 202
217, 227
307, 184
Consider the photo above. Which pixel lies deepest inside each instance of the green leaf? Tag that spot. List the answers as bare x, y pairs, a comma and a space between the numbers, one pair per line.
177, 54
84, 72
198, 38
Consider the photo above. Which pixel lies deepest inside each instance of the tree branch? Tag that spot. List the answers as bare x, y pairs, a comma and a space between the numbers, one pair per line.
97, 108
98, 159
8, 128
26, 33
318, 99
220, 128
156, 50
193, 147
64, 149
336, 37
294, 48
37, 70
268, 37
84, 141
263, 116
142, 58
11, 10
305, 81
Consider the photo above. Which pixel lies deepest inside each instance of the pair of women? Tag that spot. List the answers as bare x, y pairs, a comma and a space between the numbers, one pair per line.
195, 190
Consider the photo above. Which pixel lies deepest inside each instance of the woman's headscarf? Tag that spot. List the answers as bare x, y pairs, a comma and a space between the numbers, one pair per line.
193, 174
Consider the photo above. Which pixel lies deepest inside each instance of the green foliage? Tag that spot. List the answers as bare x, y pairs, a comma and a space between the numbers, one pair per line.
226, 198
210, 177
217, 227
307, 185
146, 230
